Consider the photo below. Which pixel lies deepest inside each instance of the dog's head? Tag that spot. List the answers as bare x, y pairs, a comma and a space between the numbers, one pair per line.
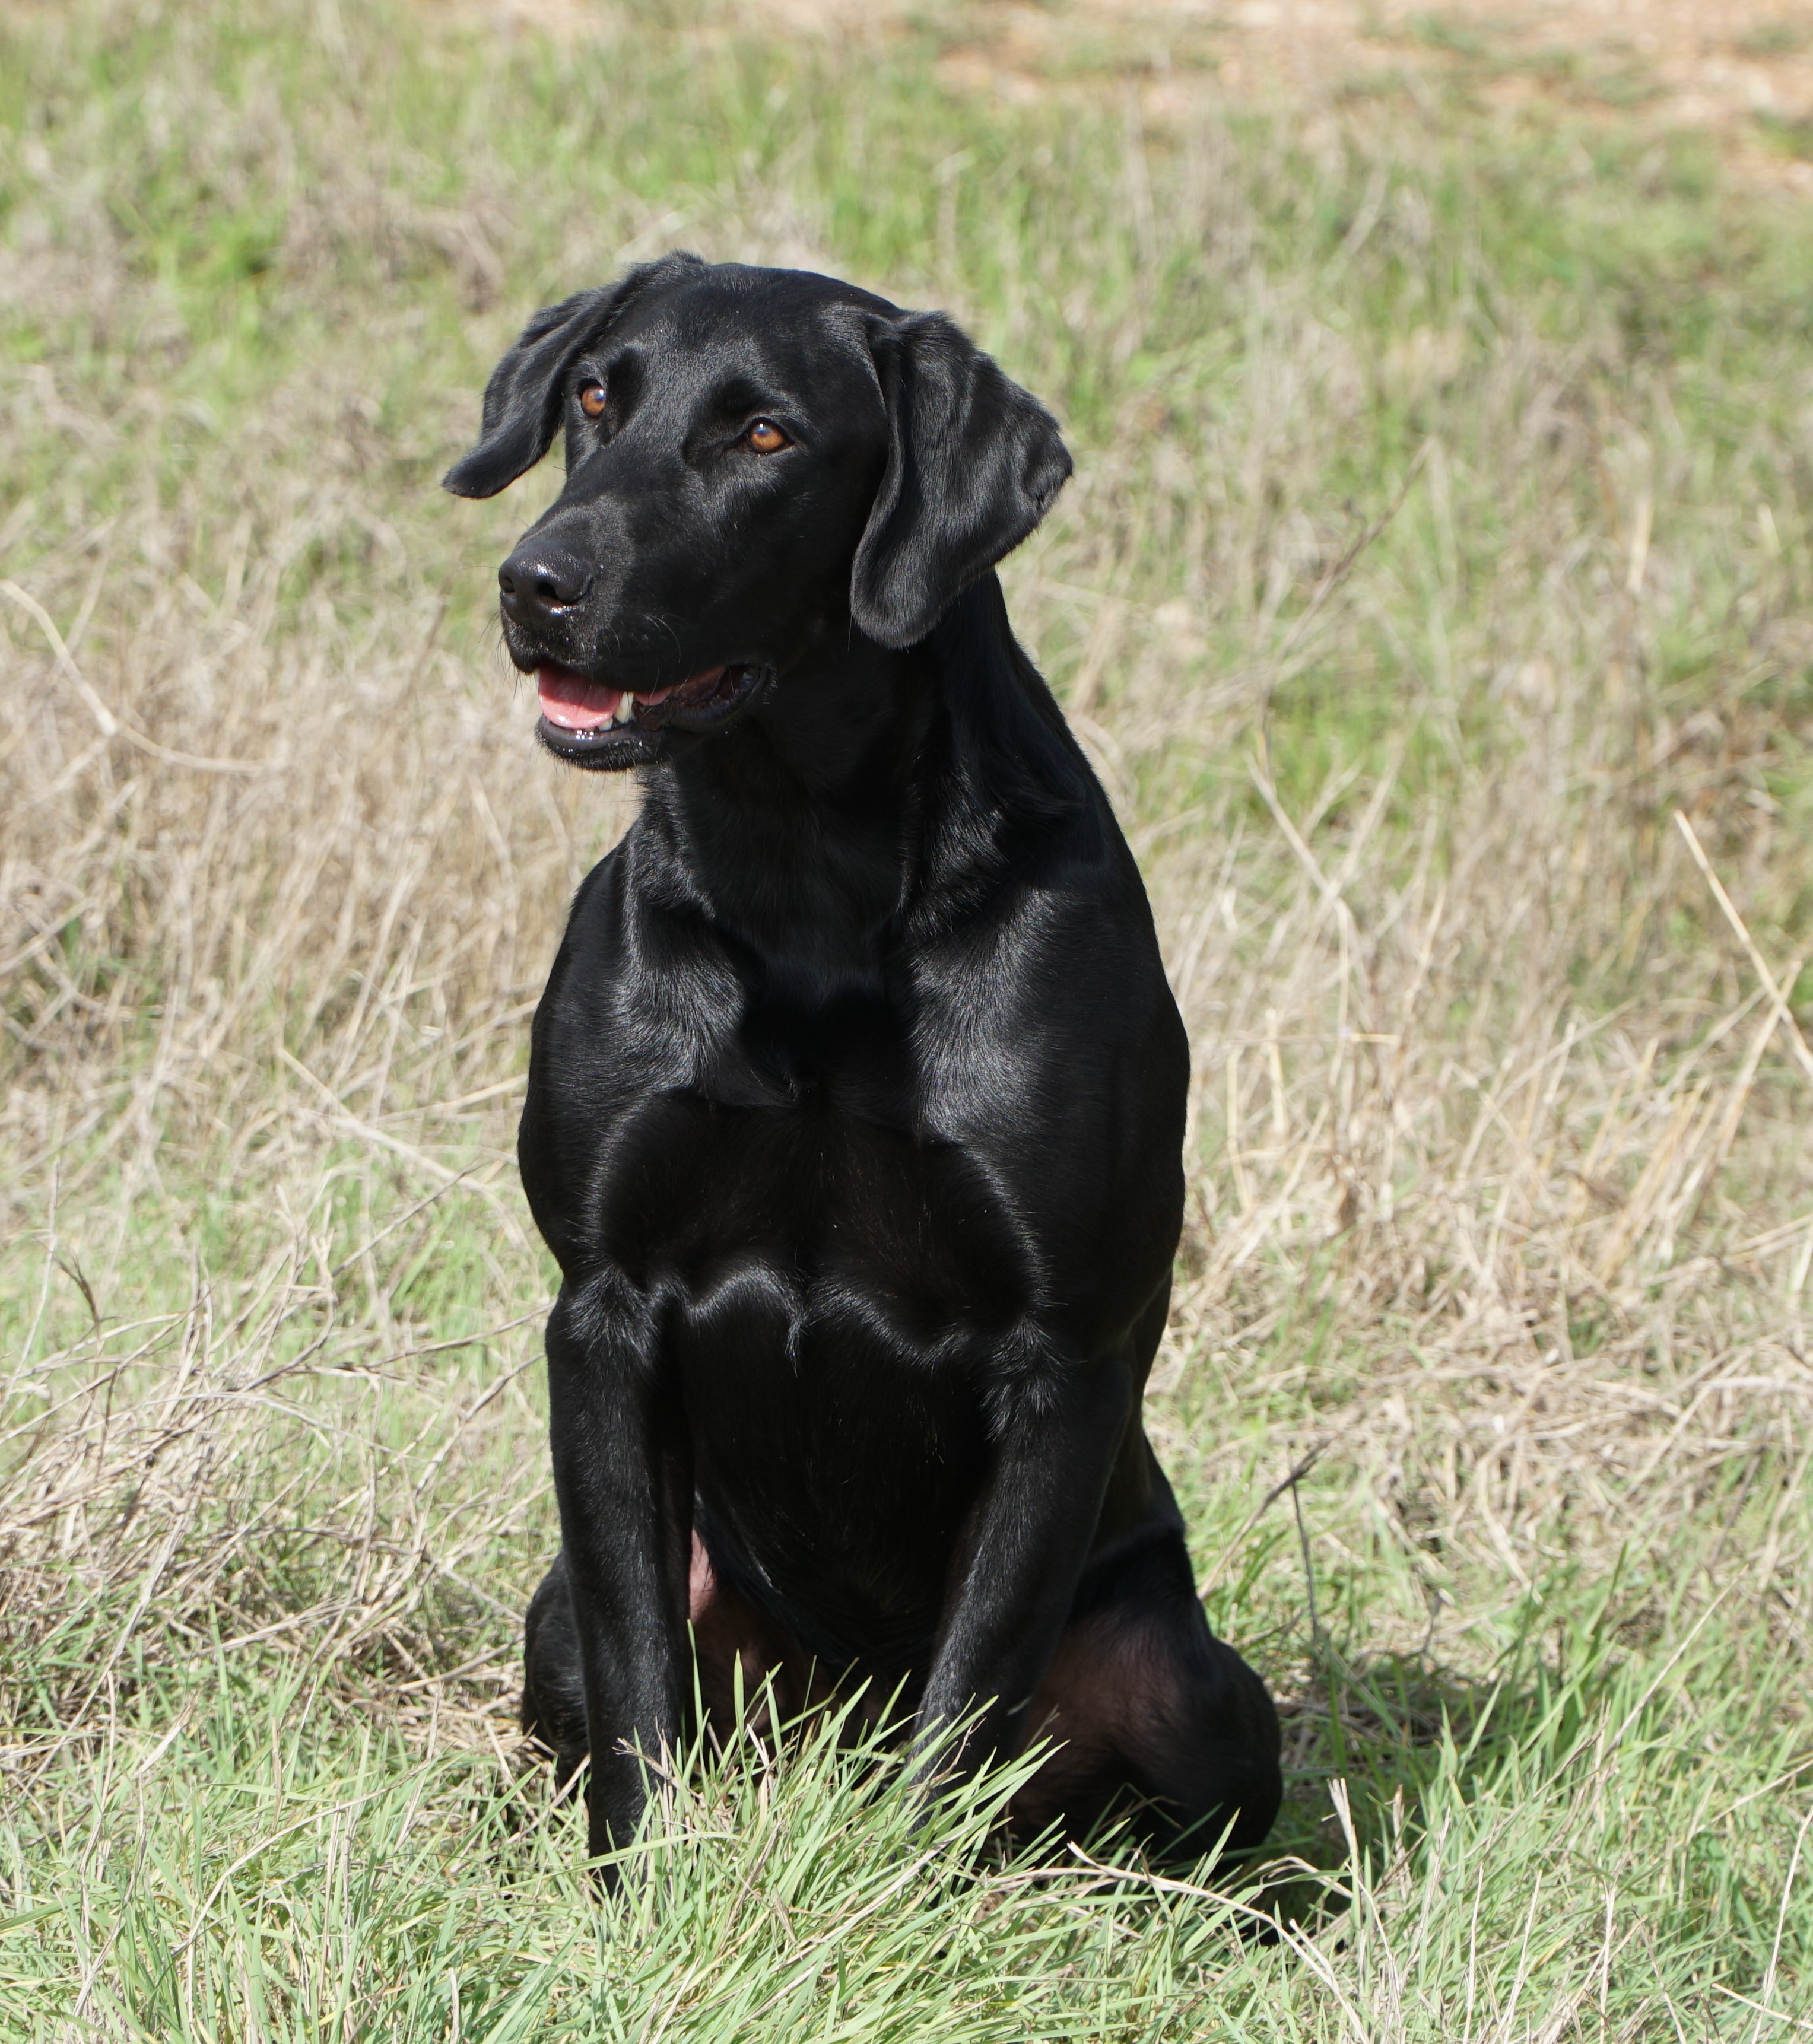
756, 459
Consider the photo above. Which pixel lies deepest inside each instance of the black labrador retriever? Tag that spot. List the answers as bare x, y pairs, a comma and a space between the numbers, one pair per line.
857, 1098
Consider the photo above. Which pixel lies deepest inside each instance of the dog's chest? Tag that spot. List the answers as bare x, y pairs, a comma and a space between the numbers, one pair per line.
828, 1294
807, 1211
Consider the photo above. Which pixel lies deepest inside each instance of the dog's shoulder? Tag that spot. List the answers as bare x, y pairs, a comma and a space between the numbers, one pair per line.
639, 986
1029, 855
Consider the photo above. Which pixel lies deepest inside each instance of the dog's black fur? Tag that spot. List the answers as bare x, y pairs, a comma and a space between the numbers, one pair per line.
857, 1095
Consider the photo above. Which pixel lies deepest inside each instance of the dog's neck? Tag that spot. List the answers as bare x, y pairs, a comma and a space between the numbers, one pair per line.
872, 776
799, 831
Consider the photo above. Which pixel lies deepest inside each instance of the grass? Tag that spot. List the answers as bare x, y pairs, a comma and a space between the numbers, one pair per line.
1443, 528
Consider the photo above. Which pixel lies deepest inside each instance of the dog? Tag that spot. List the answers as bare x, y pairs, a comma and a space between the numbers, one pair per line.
857, 1096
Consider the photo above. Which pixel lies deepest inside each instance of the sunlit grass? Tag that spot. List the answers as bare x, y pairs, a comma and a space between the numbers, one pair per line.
1441, 527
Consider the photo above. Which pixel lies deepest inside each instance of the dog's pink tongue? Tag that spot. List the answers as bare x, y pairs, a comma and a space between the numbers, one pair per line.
574, 703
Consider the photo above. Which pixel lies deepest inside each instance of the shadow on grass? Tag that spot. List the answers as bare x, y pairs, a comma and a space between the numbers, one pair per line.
1366, 1743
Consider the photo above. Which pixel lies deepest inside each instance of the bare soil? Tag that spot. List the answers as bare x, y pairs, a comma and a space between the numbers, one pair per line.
1740, 70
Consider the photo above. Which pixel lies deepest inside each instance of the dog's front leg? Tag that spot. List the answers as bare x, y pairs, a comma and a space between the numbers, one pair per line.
622, 1476
1059, 1428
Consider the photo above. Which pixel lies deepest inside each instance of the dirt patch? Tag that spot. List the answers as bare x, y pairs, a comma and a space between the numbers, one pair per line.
1741, 70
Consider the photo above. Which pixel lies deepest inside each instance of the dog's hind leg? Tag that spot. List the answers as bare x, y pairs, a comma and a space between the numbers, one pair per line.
553, 1688
1154, 1716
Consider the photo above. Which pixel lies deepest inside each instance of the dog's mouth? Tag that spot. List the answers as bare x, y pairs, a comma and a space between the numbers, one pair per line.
595, 724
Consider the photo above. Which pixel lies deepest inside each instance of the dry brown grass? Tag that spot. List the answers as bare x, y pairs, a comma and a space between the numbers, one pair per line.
1502, 1202
274, 920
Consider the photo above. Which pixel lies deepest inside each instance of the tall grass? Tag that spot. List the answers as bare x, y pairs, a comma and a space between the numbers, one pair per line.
1442, 530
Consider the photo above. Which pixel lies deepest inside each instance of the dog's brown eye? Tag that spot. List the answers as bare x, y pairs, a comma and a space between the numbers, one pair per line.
592, 400
766, 437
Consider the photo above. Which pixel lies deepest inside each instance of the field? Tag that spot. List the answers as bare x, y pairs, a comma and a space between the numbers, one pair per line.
1435, 595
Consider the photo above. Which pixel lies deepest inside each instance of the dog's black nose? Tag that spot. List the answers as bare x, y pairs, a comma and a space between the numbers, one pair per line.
541, 578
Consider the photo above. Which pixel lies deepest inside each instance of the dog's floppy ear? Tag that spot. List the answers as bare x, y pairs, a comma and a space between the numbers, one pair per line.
973, 463
524, 397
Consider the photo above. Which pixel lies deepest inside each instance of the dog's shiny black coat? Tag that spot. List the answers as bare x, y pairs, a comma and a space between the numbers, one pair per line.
857, 1092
